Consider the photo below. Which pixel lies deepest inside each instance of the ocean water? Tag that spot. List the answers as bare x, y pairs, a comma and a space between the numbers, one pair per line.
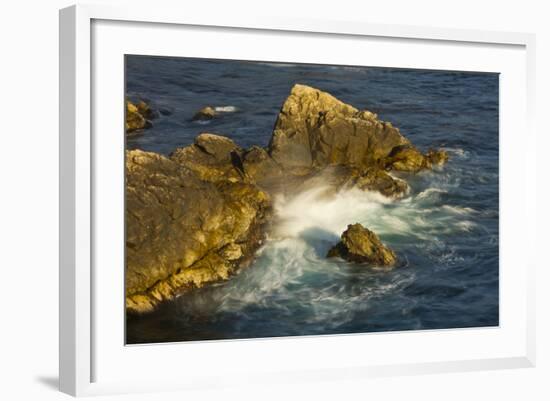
445, 231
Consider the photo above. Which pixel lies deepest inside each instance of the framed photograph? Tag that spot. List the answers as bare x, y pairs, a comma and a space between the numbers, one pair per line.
277, 200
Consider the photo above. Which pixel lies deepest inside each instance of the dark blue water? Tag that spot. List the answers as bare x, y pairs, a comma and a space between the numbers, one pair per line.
445, 231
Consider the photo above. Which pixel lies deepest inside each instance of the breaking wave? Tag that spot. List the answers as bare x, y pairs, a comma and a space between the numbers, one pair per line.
292, 277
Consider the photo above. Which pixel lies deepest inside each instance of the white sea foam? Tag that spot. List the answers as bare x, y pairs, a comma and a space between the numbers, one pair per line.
278, 65
226, 109
459, 152
314, 209
430, 193
466, 225
308, 224
458, 209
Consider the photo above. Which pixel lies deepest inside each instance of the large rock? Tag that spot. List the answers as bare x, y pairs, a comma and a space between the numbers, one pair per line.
315, 133
182, 231
315, 130
360, 245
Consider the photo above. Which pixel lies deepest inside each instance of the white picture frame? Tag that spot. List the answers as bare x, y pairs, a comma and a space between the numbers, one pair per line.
81, 342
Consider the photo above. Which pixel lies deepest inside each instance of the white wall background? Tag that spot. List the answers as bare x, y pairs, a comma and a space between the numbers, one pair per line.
29, 187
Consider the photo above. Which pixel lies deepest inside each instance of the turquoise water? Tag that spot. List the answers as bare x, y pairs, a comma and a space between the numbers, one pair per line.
445, 231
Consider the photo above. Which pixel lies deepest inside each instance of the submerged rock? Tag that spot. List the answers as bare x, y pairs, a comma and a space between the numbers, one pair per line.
206, 113
210, 112
360, 245
437, 157
183, 231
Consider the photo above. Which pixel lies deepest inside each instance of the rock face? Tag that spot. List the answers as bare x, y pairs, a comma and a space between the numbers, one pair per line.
315, 130
183, 231
360, 245
259, 166
198, 216
138, 116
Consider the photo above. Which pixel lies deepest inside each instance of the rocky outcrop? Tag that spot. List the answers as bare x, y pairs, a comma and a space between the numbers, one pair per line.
182, 231
198, 216
360, 245
138, 116
315, 130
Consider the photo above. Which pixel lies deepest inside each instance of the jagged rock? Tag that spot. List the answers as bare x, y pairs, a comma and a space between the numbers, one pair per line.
380, 181
138, 116
183, 231
437, 157
212, 157
406, 158
146, 111
206, 113
134, 120
315, 130
360, 245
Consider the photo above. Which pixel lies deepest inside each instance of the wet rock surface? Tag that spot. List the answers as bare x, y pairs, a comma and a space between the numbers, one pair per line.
360, 245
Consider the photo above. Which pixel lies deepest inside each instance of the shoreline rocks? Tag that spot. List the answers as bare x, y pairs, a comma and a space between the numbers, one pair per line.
198, 216
138, 117
360, 245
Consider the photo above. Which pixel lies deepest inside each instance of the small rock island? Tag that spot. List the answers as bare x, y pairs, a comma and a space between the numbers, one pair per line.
360, 245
